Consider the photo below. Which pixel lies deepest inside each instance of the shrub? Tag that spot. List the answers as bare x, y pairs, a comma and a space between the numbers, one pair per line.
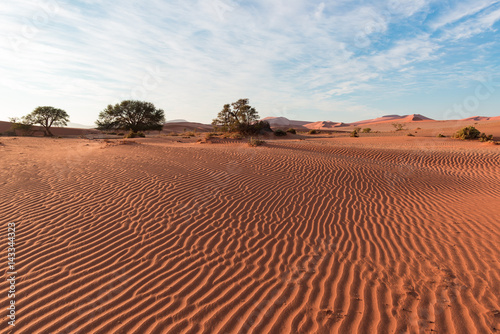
279, 133
354, 133
291, 130
173, 134
398, 126
189, 134
358, 130
210, 135
483, 137
441, 135
410, 135
252, 142
313, 132
469, 132
366, 130
235, 135
133, 134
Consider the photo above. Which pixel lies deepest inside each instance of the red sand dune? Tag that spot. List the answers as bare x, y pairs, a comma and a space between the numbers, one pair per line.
330, 235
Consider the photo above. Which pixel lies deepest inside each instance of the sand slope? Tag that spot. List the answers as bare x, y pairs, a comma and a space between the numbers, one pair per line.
343, 235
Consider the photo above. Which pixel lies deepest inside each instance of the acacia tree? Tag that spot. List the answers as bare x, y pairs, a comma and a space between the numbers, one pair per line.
239, 116
47, 117
131, 115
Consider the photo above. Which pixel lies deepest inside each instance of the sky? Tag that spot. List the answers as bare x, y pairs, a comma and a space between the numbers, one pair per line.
343, 60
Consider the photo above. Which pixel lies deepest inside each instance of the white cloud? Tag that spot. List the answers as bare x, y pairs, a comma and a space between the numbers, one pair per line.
462, 10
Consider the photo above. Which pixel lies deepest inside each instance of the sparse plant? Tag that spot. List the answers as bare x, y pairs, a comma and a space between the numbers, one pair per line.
189, 134
252, 142
133, 134
24, 125
235, 135
441, 135
279, 133
313, 132
366, 130
291, 130
398, 126
484, 138
410, 135
469, 132
354, 133
210, 135
174, 134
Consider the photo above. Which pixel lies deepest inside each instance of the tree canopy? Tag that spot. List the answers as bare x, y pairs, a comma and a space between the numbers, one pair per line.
47, 117
131, 115
238, 116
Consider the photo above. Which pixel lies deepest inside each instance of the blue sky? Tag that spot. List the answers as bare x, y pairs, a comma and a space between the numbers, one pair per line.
307, 60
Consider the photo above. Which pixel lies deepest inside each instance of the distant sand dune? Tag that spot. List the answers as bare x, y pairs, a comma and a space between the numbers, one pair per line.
343, 235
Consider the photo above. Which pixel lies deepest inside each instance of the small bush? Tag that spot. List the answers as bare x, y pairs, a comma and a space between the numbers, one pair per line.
398, 126
174, 134
235, 135
252, 142
279, 133
354, 133
441, 135
291, 130
410, 135
366, 130
189, 134
469, 132
210, 135
483, 137
313, 132
358, 130
133, 134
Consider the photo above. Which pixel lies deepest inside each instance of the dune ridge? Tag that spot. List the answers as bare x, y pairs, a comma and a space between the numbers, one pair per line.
315, 236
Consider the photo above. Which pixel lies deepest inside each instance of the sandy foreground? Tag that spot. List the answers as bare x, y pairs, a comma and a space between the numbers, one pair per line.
323, 235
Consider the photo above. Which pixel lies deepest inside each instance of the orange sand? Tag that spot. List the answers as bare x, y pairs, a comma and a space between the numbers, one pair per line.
323, 235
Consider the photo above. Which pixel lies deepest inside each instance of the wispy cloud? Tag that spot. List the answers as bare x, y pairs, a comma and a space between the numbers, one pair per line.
296, 58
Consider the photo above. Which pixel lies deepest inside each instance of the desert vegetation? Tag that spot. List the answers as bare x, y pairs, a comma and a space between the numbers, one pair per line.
279, 133
131, 115
45, 116
241, 118
253, 142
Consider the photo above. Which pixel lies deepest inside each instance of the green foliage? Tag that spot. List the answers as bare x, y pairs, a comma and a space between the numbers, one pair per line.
469, 132
313, 132
398, 126
483, 137
354, 133
47, 117
291, 130
24, 125
366, 130
279, 133
239, 117
131, 115
252, 142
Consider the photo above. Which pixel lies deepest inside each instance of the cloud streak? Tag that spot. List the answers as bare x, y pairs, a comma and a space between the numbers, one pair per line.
293, 58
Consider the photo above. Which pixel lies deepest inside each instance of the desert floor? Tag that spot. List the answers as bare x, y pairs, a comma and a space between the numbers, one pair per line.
322, 235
